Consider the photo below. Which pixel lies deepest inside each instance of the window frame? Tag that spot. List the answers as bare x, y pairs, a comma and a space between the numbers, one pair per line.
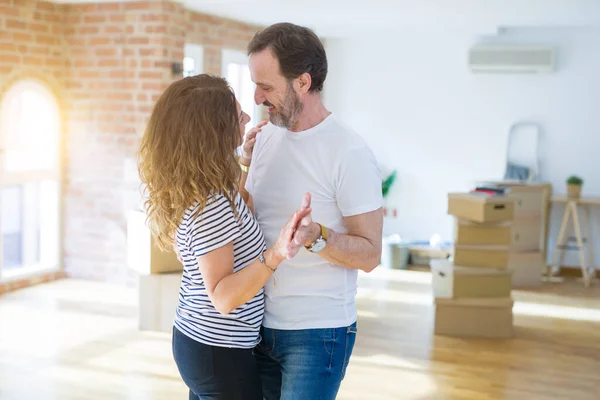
21, 178
232, 56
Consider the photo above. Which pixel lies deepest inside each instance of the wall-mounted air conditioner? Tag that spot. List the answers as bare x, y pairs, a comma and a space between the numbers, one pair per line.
511, 59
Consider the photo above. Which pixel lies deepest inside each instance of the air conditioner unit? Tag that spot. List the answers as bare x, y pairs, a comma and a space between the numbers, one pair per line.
513, 59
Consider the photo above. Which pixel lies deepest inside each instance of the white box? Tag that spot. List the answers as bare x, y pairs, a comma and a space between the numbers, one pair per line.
158, 299
143, 254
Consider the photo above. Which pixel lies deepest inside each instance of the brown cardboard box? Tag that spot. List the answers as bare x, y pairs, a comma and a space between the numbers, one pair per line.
451, 281
143, 254
479, 208
482, 256
532, 201
518, 235
486, 318
527, 268
528, 203
468, 233
530, 198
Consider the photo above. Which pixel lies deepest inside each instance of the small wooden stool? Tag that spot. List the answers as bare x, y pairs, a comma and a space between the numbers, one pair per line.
572, 212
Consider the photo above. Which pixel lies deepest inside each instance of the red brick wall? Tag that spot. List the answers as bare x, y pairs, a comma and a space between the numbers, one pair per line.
107, 64
32, 47
119, 64
215, 34
31, 42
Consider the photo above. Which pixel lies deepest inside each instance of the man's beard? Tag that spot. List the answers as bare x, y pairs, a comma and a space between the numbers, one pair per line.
287, 114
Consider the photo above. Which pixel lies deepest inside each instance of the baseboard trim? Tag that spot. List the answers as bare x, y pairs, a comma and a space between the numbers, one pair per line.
6, 287
573, 272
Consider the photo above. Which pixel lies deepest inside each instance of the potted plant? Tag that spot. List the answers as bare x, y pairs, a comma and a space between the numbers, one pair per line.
574, 184
387, 183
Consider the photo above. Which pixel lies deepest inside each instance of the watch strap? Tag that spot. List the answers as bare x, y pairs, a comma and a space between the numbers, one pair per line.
323, 236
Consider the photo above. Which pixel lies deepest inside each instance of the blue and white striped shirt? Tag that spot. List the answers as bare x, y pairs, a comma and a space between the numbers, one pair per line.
215, 226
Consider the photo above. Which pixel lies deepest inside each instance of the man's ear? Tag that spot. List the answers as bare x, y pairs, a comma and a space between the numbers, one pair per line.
303, 83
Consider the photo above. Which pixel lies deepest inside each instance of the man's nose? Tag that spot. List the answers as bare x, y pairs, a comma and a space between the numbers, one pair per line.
259, 97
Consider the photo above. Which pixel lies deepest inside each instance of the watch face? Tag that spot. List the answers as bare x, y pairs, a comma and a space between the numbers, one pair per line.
318, 245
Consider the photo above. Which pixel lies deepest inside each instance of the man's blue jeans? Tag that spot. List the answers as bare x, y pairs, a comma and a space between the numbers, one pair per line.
306, 364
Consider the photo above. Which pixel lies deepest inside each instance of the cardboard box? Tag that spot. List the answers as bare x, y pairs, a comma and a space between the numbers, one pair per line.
527, 202
480, 208
482, 256
517, 235
158, 299
527, 268
530, 198
485, 318
532, 201
451, 281
143, 255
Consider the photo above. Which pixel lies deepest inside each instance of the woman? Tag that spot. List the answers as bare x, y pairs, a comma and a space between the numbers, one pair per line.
192, 177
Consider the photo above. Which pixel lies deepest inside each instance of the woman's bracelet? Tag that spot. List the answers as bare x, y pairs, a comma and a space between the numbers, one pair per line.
261, 258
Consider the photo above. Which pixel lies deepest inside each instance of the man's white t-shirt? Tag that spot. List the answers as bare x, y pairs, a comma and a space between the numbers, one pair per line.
335, 165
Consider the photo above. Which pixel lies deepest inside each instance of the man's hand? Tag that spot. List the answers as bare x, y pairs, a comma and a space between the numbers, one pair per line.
360, 248
308, 231
249, 142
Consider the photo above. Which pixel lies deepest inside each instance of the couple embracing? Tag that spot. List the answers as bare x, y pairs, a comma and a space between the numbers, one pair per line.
271, 240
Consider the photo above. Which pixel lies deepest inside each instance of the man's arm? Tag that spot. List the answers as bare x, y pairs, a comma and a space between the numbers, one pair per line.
360, 248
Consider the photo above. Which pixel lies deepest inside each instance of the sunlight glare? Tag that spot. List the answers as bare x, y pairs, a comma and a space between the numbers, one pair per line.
30, 128
556, 311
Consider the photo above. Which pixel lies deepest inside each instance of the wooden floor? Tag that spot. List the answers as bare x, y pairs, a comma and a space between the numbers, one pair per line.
79, 340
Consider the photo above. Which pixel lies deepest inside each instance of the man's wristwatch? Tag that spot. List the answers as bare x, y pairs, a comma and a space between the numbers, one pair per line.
320, 243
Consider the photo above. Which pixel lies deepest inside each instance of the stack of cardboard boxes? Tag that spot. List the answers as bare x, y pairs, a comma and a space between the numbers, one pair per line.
529, 230
473, 292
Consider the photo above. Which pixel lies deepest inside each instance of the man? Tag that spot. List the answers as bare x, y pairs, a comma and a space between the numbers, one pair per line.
309, 326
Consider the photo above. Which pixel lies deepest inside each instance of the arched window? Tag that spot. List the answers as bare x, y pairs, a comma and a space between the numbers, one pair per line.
30, 128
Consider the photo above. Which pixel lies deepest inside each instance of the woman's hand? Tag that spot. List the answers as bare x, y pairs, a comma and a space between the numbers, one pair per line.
307, 231
285, 247
249, 142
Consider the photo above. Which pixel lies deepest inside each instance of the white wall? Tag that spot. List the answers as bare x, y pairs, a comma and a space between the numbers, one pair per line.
414, 100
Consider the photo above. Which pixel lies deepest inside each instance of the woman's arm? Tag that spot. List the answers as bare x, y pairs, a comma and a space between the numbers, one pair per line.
246, 159
243, 192
228, 290
246, 196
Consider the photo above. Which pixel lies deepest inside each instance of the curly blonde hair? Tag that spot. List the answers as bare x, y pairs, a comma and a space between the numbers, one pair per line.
187, 153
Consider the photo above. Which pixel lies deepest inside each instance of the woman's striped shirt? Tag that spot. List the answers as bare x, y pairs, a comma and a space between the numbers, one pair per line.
215, 226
